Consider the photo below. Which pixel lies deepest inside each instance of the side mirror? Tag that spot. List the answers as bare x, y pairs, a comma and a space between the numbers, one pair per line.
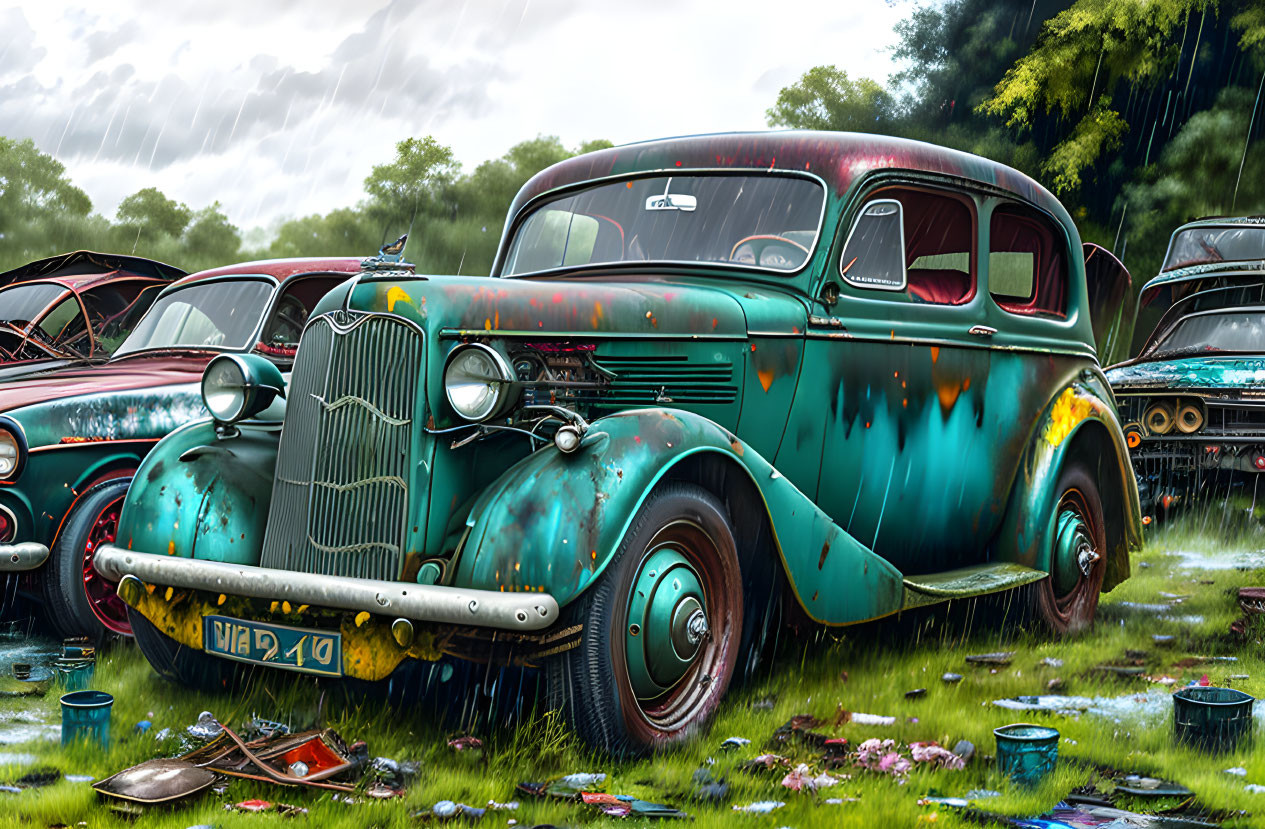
829, 295
238, 387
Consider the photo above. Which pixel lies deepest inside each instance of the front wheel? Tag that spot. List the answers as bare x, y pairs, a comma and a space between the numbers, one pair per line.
661, 629
78, 600
1067, 601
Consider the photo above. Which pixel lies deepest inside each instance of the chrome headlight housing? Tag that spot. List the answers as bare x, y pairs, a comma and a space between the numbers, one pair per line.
477, 382
12, 449
239, 386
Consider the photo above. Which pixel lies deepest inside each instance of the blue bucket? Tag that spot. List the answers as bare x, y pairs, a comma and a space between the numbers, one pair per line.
1026, 752
76, 676
86, 715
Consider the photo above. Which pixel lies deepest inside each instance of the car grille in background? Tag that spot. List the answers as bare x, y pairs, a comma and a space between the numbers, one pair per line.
340, 497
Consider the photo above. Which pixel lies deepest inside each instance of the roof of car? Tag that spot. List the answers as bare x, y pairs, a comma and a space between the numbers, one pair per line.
838, 158
82, 269
282, 269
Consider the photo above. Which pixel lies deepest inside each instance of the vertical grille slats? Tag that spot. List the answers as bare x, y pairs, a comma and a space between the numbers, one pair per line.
340, 497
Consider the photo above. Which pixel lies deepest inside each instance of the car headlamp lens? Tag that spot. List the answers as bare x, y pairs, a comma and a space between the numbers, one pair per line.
476, 381
10, 453
224, 390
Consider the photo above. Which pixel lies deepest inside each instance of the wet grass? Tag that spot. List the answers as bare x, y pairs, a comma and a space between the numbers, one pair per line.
867, 669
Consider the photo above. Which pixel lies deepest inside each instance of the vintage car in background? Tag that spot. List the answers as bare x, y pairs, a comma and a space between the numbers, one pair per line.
70, 439
704, 371
73, 308
1193, 399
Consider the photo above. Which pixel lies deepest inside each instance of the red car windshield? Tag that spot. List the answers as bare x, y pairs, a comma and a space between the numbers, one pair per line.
766, 221
220, 315
21, 305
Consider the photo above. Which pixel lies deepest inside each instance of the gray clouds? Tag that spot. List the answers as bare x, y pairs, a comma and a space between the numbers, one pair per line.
282, 108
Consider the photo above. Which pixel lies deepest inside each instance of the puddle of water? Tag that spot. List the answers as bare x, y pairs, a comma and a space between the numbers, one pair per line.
1242, 560
1151, 707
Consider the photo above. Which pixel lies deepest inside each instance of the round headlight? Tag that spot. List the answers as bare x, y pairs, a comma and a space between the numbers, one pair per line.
10, 453
476, 381
224, 390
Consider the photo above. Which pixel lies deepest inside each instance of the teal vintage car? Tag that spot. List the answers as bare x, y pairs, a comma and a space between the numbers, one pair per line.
706, 373
72, 438
1193, 399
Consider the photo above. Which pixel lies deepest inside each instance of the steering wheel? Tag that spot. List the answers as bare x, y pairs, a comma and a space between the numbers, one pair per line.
288, 320
757, 245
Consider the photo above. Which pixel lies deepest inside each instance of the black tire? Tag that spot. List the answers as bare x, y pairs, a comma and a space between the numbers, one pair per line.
185, 666
1073, 610
77, 601
591, 683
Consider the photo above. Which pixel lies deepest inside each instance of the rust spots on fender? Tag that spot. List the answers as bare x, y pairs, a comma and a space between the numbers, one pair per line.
935, 354
825, 551
766, 378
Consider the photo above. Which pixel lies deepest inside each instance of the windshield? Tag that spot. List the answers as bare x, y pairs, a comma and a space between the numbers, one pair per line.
20, 305
1203, 245
222, 315
1236, 331
759, 221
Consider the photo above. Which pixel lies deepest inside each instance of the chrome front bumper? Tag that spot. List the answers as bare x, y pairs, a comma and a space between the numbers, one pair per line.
416, 602
17, 558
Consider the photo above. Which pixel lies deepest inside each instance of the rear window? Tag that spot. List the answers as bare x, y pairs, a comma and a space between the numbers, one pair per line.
1205, 245
767, 221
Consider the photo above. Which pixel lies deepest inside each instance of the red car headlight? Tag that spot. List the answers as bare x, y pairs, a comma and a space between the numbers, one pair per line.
8, 525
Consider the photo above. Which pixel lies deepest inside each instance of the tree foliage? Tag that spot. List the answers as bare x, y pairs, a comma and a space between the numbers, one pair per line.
825, 98
153, 214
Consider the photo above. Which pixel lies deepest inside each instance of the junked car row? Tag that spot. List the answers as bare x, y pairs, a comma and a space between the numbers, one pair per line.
712, 385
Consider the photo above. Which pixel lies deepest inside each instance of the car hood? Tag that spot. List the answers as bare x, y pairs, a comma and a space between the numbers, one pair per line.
1189, 373
631, 306
140, 372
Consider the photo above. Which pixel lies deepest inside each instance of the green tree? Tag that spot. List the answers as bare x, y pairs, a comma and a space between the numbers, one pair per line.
825, 98
411, 184
210, 239
342, 232
152, 214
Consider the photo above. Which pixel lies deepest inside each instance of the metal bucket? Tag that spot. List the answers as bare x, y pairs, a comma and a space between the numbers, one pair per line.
1026, 752
1215, 719
86, 715
75, 675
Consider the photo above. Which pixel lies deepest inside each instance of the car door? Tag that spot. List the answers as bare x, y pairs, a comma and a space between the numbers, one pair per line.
896, 372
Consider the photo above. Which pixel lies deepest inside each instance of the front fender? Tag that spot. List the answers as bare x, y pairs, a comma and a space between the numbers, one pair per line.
1079, 424
197, 495
553, 522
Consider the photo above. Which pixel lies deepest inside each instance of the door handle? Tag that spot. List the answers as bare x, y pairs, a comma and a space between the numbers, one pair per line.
981, 331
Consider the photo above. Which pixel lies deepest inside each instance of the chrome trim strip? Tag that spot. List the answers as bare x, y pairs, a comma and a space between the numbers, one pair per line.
420, 602
23, 556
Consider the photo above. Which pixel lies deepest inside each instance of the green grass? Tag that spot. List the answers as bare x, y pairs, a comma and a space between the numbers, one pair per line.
882, 661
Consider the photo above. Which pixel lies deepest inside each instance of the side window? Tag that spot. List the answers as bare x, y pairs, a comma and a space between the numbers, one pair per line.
65, 328
1027, 264
921, 242
114, 310
285, 325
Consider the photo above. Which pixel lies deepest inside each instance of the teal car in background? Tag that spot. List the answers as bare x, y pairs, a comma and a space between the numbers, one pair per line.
1193, 399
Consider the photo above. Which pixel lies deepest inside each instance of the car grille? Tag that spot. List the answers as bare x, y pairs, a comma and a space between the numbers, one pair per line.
340, 498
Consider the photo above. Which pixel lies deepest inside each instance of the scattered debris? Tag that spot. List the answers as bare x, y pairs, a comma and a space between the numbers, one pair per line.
964, 749
1163, 639
734, 742
761, 807
802, 777
266, 806
446, 809
1140, 786
1051, 662
157, 781
765, 761
206, 728
708, 788
569, 786
998, 658
951, 679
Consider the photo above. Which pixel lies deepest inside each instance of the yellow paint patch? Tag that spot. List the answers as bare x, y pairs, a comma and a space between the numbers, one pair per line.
361, 618
1069, 410
167, 595
396, 294
171, 548
285, 607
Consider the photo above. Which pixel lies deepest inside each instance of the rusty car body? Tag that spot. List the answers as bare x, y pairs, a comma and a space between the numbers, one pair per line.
1193, 399
72, 308
706, 373
71, 438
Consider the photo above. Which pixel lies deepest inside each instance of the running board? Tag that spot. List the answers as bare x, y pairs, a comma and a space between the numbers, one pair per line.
967, 582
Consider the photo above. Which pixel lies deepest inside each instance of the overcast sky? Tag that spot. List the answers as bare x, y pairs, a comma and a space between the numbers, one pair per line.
281, 108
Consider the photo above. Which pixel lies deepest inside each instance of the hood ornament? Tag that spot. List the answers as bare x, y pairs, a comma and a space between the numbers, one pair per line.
390, 258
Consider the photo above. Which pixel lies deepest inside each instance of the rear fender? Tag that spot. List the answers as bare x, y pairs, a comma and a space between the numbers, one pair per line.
553, 522
197, 495
1079, 424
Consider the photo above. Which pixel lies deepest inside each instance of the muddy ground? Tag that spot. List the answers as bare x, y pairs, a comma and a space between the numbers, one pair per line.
1108, 691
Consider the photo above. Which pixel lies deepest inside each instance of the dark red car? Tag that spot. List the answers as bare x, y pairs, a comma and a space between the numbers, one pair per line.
73, 307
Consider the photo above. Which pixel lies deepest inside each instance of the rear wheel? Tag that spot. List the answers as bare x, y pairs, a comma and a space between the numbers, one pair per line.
662, 627
1067, 601
79, 601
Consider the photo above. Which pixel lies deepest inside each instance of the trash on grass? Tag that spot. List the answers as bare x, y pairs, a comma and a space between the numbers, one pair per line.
760, 807
734, 742
206, 728
998, 658
157, 781
802, 777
